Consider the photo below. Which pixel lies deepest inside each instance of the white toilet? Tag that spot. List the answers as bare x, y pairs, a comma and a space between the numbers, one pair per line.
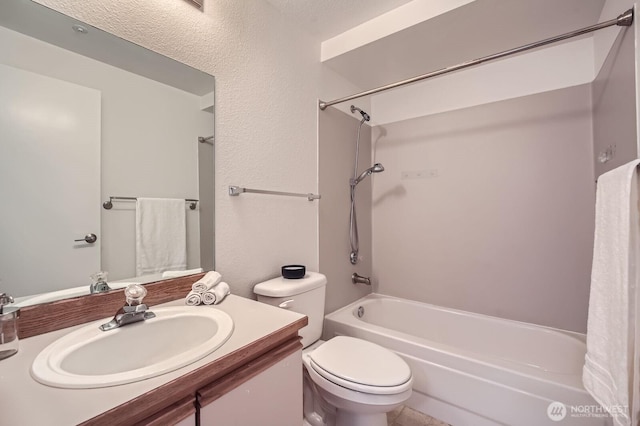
347, 381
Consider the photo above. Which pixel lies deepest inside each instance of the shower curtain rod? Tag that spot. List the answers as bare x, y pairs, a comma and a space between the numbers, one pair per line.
624, 20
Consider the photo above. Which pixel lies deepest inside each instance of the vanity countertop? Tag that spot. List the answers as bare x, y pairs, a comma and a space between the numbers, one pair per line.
258, 327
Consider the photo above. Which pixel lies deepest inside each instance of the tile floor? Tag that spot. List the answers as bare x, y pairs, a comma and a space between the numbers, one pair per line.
405, 416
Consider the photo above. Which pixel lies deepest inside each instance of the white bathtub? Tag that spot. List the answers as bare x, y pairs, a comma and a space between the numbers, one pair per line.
476, 370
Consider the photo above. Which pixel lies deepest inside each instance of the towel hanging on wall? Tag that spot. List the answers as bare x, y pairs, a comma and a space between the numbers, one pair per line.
161, 235
611, 364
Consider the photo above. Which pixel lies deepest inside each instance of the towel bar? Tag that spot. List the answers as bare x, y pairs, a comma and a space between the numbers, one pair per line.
237, 190
109, 204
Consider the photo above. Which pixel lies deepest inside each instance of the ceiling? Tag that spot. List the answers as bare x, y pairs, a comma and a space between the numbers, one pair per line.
328, 18
478, 29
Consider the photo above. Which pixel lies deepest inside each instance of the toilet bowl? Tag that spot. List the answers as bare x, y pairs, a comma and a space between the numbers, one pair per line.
347, 381
362, 380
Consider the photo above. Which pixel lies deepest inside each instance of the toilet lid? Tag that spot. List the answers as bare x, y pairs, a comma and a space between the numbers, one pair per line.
349, 360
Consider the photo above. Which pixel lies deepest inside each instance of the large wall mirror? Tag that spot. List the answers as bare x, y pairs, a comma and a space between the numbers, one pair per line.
85, 116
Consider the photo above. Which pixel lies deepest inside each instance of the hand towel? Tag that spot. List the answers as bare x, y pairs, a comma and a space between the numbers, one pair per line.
208, 297
216, 294
193, 299
161, 235
609, 362
177, 274
221, 291
207, 282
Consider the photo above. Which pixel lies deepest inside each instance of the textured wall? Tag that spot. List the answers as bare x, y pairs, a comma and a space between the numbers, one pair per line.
267, 75
504, 225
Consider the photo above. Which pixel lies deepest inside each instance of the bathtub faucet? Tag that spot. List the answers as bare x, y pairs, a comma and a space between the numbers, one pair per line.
359, 279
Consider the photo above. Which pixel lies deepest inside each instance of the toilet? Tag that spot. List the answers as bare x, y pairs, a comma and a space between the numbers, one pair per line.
347, 381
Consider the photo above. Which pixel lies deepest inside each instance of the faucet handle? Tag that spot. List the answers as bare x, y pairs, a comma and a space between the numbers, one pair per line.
134, 293
5, 299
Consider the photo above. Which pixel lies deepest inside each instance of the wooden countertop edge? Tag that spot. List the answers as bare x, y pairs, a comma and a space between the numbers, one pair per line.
173, 414
150, 403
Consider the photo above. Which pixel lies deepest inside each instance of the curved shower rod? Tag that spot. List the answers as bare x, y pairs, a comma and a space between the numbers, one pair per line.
623, 20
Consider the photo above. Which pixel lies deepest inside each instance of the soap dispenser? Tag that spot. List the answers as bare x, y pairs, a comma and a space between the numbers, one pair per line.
8, 327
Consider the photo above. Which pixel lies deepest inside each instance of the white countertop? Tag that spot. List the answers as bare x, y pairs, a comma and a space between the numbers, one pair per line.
24, 401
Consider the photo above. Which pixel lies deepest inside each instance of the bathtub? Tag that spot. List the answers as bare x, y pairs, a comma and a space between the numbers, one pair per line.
476, 370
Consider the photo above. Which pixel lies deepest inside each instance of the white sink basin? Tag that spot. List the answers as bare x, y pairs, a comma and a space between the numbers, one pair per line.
91, 358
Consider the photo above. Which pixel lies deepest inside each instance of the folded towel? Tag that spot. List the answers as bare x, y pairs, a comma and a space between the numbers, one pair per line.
161, 235
193, 299
176, 274
207, 282
610, 358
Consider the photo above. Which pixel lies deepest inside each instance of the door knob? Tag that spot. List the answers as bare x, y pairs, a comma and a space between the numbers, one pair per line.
89, 238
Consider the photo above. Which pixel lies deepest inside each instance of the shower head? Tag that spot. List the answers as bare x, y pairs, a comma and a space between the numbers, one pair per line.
377, 168
365, 116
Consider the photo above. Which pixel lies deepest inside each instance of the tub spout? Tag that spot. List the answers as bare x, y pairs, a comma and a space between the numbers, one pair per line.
359, 279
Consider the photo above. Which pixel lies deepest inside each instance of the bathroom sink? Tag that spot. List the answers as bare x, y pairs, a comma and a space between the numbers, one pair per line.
91, 358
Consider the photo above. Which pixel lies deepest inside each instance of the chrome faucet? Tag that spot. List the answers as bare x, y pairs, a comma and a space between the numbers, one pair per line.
133, 311
99, 284
359, 279
5, 299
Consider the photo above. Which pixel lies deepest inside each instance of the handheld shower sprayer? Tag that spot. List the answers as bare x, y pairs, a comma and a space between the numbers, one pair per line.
365, 116
377, 168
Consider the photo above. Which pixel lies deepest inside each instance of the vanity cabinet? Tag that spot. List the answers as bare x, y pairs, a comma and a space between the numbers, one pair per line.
254, 378
267, 392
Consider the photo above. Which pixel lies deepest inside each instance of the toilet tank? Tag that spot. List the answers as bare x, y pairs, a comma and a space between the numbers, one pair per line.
304, 295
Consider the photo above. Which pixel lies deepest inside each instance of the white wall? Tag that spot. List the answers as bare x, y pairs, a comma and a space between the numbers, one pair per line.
267, 79
394, 21
563, 65
614, 107
605, 39
503, 223
148, 141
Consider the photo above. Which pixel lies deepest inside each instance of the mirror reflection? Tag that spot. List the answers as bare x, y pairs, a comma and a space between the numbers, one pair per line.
85, 116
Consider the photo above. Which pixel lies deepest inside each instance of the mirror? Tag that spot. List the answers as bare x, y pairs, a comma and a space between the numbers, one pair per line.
85, 116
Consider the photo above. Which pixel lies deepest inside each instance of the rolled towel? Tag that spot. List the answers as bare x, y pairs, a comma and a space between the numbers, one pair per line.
207, 282
176, 274
216, 294
193, 299
209, 297
221, 291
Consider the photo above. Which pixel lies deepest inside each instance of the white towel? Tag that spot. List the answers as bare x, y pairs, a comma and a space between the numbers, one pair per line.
161, 235
609, 362
221, 291
207, 282
177, 274
209, 297
193, 299
212, 296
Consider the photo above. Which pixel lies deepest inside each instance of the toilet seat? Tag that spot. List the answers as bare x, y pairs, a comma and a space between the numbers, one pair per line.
361, 366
